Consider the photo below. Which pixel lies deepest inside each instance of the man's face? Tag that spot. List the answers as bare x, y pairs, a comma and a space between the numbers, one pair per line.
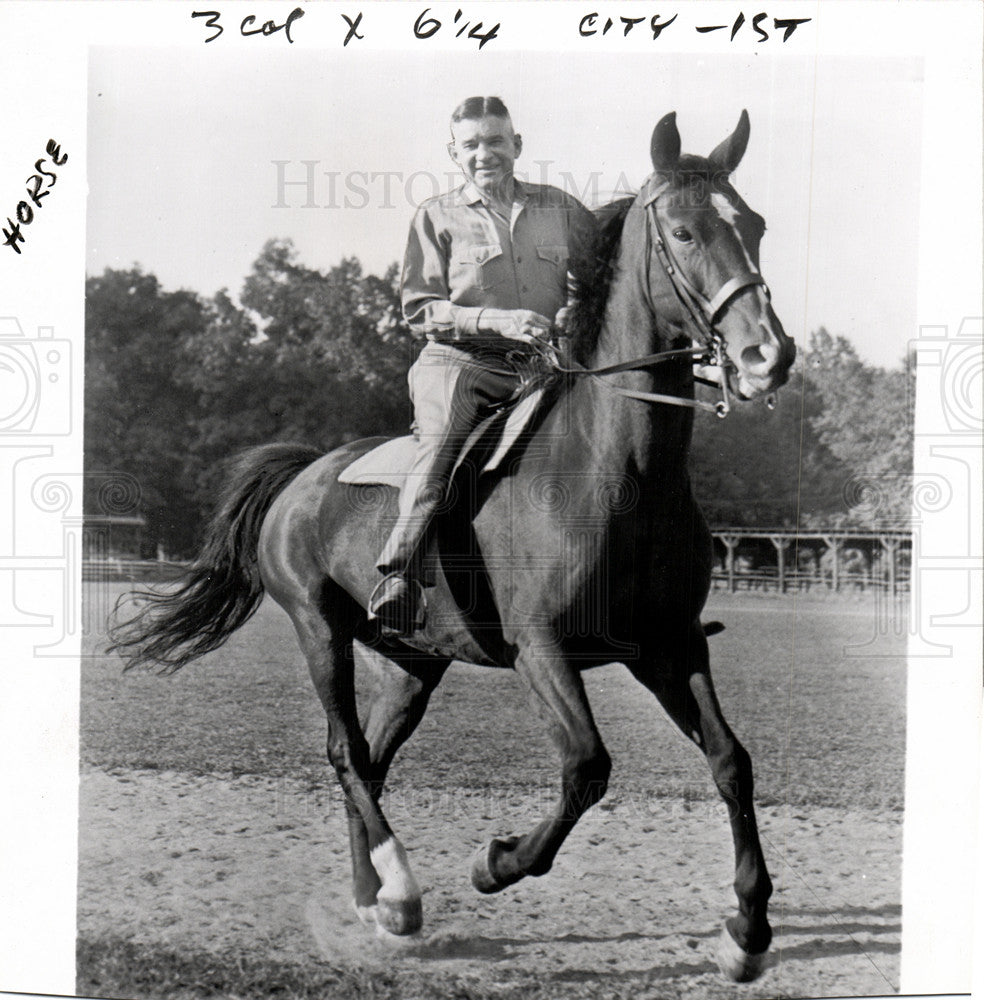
485, 150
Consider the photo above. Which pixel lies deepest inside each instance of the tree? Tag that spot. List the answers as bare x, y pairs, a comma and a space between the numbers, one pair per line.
318, 358
176, 383
762, 468
836, 453
866, 422
139, 409
335, 345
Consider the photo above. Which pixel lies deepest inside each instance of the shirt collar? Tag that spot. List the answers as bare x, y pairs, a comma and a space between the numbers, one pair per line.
470, 194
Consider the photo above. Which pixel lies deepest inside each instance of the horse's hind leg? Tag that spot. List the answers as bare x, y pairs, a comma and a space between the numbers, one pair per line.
325, 628
402, 686
681, 680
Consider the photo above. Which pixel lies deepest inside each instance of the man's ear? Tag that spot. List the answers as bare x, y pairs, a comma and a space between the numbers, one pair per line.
518, 144
452, 152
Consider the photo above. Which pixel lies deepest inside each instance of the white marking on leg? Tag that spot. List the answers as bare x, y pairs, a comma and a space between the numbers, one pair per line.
393, 868
737, 964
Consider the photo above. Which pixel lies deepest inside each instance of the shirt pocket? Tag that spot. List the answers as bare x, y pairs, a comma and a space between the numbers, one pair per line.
479, 267
553, 254
552, 265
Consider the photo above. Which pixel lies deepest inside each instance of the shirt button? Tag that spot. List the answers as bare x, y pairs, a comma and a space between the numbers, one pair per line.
519, 260
525, 289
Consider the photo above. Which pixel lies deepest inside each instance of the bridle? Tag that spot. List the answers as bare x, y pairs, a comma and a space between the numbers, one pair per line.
701, 311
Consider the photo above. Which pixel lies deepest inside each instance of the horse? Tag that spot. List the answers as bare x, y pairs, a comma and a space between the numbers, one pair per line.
587, 548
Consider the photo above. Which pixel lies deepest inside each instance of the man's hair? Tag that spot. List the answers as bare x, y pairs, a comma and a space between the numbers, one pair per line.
474, 108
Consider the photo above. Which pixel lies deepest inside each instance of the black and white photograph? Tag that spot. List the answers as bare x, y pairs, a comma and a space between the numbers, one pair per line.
494, 502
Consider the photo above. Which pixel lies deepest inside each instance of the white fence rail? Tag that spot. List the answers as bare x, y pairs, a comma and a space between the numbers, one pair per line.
745, 559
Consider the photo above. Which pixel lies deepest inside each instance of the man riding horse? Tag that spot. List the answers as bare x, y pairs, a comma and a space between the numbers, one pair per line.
484, 279
617, 571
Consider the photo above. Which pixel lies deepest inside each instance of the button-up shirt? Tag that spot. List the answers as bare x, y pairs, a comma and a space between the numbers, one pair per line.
463, 257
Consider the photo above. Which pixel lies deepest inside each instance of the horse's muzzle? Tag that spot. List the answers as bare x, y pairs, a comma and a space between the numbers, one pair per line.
763, 367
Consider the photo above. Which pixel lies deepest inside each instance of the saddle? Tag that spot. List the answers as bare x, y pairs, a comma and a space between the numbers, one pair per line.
387, 464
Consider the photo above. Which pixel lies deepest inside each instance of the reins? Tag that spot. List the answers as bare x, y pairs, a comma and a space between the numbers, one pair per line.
696, 354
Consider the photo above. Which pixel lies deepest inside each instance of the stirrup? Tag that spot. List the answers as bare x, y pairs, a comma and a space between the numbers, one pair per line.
399, 604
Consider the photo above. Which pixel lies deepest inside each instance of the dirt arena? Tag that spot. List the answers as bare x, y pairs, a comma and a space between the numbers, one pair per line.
210, 829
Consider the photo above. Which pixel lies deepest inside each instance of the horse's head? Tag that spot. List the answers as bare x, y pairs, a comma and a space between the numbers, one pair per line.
704, 266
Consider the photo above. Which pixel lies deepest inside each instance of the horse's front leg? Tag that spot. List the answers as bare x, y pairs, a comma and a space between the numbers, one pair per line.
681, 680
559, 695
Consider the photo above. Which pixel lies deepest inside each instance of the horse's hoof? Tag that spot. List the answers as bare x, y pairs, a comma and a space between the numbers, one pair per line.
736, 963
399, 917
482, 875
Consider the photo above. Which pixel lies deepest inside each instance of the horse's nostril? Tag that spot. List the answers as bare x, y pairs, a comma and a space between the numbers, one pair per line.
760, 357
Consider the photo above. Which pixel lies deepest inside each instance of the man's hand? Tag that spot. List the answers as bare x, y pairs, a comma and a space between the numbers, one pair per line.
562, 318
527, 326
515, 324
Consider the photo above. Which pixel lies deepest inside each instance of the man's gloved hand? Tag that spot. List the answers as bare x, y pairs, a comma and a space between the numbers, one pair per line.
515, 324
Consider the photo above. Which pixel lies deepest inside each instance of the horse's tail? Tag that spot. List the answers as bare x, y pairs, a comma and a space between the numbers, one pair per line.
222, 589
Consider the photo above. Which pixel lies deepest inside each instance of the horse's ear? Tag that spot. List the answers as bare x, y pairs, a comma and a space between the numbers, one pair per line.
728, 155
664, 148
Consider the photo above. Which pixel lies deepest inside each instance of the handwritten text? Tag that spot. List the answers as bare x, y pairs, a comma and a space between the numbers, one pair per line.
248, 26
465, 24
38, 188
591, 24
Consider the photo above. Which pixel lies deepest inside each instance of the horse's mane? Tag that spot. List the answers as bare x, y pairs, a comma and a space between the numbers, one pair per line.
593, 270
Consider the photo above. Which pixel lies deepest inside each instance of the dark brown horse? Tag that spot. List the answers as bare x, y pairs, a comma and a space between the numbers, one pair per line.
588, 548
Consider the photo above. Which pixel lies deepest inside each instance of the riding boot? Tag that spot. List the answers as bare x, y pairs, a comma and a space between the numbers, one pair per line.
397, 600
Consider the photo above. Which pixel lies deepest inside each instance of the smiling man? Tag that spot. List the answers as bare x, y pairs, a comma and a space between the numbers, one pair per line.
484, 277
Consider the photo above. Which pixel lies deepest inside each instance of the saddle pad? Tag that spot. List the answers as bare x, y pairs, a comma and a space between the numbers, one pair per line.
388, 463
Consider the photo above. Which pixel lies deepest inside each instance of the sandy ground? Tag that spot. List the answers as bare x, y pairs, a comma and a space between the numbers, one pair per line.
637, 897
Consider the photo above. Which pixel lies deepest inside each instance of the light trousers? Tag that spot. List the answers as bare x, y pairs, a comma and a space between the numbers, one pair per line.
452, 390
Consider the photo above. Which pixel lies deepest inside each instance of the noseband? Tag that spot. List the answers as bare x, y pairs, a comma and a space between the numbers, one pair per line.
701, 311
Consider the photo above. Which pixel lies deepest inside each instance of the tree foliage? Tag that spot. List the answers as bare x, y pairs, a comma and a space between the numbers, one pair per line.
309, 357
865, 421
764, 467
837, 452
175, 383
139, 406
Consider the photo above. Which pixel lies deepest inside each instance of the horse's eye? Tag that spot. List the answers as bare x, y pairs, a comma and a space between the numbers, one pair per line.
683, 235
